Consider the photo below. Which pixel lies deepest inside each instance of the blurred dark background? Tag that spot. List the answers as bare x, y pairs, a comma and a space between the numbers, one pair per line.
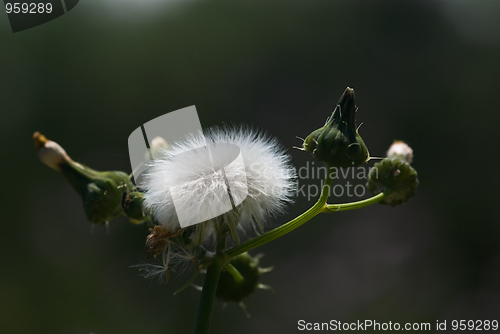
427, 72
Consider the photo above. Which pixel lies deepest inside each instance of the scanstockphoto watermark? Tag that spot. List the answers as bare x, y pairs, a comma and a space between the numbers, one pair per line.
363, 325
352, 186
374, 325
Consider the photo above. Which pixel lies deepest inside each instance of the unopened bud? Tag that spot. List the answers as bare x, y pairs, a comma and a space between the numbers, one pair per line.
101, 192
132, 205
338, 142
396, 176
400, 150
158, 146
231, 290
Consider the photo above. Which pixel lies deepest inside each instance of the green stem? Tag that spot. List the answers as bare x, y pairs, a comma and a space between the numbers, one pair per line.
288, 227
355, 205
202, 322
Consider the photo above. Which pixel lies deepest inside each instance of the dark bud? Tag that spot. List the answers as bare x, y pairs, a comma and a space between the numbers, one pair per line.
338, 142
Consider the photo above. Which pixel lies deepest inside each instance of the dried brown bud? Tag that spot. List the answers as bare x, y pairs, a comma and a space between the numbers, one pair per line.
158, 239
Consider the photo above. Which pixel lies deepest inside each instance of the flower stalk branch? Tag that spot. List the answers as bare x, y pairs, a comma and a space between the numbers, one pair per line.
355, 205
319, 207
262, 239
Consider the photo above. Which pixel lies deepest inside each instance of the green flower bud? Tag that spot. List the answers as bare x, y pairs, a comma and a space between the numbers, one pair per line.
231, 290
101, 192
132, 205
396, 175
338, 142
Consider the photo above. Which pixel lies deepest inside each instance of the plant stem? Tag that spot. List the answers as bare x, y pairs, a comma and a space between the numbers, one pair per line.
317, 208
220, 259
354, 205
202, 322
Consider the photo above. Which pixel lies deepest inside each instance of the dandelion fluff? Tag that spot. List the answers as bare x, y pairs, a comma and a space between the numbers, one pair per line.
198, 172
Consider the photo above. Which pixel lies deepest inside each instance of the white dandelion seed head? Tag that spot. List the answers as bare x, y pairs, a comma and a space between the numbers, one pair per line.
199, 177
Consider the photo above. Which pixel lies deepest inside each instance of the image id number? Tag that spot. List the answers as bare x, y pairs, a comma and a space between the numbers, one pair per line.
28, 8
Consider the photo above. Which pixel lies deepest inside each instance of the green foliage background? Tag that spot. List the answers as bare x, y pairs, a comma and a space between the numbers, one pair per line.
427, 72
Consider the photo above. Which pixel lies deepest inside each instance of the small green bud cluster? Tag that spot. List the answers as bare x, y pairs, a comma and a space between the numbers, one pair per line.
338, 142
132, 205
395, 175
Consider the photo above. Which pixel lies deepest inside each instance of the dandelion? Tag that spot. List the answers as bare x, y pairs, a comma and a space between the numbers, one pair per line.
199, 171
